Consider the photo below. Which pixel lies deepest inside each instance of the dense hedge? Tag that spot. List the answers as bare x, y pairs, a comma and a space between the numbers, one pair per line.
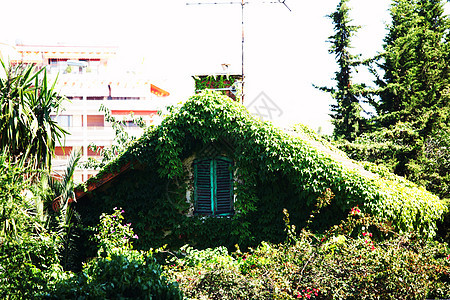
342, 266
422, 157
122, 274
28, 251
117, 271
274, 171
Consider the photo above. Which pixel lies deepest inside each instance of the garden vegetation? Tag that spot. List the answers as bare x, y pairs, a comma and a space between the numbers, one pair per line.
305, 226
274, 169
356, 258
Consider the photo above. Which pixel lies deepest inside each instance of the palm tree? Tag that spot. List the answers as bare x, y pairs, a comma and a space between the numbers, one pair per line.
26, 128
62, 194
14, 209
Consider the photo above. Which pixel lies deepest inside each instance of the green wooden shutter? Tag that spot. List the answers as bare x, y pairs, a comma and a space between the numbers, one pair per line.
223, 188
203, 186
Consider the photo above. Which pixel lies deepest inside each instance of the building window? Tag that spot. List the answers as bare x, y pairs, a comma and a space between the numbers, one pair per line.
129, 123
213, 186
63, 120
95, 121
74, 97
96, 98
91, 152
63, 151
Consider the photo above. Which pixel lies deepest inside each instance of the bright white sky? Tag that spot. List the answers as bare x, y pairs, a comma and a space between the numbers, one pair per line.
285, 52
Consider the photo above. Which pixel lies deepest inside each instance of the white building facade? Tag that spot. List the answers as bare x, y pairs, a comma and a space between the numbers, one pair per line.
84, 76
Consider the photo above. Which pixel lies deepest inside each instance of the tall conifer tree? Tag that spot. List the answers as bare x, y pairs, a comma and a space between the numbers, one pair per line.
415, 62
346, 113
413, 109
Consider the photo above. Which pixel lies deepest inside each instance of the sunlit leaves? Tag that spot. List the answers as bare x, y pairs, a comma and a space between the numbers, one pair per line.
26, 102
265, 156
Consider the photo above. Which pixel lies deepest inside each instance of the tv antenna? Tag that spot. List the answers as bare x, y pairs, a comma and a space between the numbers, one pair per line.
242, 3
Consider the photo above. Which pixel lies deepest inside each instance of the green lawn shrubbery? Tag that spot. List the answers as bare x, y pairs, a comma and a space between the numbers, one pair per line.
274, 170
359, 259
118, 271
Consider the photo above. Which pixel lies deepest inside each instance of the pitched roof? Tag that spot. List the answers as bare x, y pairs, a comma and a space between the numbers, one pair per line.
310, 164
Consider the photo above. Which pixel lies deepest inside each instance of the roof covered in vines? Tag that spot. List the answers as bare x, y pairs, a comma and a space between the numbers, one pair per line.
262, 152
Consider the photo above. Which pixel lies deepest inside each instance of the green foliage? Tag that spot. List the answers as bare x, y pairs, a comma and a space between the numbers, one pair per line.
359, 259
432, 167
213, 274
214, 82
444, 225
413, 97
26, 129
111, 233
403, 150
28, 267
14, 218
408, 134
367, 149
122, 274
59, 194
28, 252
219, 82
416, 75
346, 113
121, 139
274, 171
32, 240
118, 272
193, 257
312, 135
391, 147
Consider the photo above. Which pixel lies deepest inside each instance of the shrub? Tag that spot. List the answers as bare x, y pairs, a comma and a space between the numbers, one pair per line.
28, 252
118, 272
122, 274
214, 274
275, 170
361, 258
28, 268
444, 225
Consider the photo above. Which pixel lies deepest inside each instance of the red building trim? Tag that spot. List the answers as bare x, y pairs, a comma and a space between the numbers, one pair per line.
125, 112
158, 91
94, 184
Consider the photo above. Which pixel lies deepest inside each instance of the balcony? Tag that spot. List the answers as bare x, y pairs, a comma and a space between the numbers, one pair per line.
91, 106
81, 136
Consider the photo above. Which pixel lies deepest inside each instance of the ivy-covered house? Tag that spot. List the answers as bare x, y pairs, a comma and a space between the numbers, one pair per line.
212, 174
227, 84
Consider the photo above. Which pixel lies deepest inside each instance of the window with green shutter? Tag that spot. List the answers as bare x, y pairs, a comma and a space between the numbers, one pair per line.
213, 186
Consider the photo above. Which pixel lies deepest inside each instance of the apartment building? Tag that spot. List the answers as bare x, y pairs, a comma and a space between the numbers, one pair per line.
84, 75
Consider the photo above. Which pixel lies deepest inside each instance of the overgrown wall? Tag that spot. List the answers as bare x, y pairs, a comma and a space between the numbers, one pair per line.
275, 171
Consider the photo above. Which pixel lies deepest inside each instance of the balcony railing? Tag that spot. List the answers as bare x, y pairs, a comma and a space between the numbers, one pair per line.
79, 134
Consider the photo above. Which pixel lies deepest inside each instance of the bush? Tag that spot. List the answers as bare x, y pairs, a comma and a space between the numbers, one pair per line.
118, 272
28, 252
122, 274
28, 268
214, 274
358, 259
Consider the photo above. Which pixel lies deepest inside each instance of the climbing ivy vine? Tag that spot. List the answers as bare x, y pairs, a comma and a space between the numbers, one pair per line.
218, 82
274, 171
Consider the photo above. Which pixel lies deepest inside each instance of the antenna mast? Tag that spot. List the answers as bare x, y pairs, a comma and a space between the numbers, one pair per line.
242, 3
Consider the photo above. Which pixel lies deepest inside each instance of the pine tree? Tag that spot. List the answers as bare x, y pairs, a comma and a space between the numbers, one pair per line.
412, 125
346, 113
415, 64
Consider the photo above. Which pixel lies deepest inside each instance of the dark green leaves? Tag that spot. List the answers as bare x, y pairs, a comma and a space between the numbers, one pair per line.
274, 170
26, 129
346, 112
